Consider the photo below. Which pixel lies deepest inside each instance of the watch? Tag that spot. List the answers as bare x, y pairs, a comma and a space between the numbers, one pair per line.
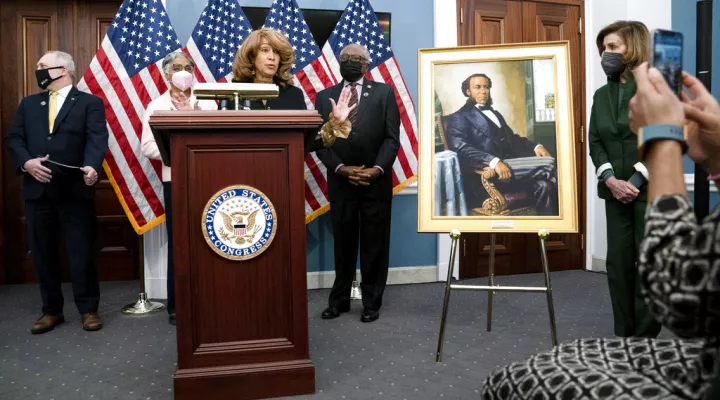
652, 133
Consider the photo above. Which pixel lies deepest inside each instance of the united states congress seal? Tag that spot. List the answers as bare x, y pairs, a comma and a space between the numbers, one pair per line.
239, 222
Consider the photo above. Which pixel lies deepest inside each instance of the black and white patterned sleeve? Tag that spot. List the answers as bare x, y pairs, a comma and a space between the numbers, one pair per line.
680, 267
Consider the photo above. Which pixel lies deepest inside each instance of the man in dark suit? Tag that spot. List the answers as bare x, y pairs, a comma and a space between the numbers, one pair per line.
480, 136
360, 184
58, 142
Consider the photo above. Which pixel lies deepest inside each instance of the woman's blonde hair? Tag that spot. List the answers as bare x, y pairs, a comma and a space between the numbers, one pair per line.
636, 38
244, 65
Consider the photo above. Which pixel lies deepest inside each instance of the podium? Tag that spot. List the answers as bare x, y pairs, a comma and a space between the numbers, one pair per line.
239, 240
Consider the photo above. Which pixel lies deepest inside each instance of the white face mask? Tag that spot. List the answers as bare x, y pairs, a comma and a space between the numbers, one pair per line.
183, 80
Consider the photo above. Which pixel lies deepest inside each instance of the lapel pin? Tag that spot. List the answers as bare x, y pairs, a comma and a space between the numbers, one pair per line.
42, 103
72, 98
366, 94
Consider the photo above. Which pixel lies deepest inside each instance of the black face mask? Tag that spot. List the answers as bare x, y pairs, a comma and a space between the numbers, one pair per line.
351, 70
612, 63
43, 77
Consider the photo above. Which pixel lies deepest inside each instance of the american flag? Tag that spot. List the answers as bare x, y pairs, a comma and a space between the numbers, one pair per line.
312, 74
220, 31
358, 24
126, 73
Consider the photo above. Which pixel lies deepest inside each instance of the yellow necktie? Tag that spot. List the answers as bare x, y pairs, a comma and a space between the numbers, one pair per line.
52, 110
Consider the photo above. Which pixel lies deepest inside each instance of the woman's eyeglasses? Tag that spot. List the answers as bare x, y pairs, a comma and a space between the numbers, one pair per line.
178, 68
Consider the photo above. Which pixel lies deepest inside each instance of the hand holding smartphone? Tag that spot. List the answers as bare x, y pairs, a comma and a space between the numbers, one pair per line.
666, 54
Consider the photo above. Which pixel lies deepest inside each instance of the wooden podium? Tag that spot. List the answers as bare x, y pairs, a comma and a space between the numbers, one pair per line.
242, 324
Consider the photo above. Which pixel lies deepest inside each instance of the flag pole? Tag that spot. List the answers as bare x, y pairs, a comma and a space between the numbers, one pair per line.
142, 305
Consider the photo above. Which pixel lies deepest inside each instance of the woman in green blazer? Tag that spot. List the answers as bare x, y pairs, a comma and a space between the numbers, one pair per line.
621, 177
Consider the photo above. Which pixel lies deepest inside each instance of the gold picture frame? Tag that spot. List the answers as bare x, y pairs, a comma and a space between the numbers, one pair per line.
459, 186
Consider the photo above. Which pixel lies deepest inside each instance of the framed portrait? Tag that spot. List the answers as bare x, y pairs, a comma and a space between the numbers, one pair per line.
497, 144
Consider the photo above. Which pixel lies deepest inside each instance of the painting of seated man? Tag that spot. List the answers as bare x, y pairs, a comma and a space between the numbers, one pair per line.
501, 129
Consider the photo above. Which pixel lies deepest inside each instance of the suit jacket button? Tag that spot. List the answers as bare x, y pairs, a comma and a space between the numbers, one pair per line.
49, 137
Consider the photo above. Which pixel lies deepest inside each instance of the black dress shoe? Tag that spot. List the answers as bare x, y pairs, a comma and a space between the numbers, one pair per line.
334, 312
172, 319
369, 316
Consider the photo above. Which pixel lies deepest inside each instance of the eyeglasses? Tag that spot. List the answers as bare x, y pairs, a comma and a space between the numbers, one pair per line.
177, 68
353, 57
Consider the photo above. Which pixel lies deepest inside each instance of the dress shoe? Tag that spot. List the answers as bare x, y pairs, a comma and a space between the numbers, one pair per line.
172, 319
369, 316
91, 321
46, 323
334, 312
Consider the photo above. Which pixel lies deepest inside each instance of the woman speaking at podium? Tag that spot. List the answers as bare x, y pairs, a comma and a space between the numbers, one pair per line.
179, 71
267, 56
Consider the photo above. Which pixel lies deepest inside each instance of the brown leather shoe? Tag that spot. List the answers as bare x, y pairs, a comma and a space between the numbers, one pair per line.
91, 321
46, 323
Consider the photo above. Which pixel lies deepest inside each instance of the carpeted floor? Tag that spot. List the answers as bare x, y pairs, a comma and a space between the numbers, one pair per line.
392, 358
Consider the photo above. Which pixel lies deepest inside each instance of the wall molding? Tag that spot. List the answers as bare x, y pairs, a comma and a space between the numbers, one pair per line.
156, 288
690, 183
396, 276
598, 264
410, 189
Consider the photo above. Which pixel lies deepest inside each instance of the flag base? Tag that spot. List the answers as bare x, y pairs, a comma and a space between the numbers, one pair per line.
355, 293
142, 306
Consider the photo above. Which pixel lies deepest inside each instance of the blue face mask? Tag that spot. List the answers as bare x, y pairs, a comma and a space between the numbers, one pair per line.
612, 63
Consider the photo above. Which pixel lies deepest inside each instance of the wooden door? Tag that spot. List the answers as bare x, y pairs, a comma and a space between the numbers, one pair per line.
28, 29
512, 21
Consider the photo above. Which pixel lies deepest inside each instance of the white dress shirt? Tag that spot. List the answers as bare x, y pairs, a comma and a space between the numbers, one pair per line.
358, 87
61, 96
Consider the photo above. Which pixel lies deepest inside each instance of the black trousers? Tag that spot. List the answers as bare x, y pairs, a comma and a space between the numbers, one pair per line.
167, 190
364, 222
78, 224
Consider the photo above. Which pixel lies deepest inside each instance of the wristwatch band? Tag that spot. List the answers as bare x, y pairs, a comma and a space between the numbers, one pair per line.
654, 133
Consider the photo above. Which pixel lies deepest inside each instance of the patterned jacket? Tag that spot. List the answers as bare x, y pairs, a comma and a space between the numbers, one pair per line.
680, 274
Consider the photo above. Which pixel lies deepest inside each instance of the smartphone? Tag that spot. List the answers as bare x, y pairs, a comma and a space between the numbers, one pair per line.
666, 54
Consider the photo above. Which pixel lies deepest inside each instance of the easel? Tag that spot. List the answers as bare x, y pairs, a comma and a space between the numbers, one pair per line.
492, 288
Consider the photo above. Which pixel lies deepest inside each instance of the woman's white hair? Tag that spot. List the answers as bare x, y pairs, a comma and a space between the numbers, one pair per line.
167, 61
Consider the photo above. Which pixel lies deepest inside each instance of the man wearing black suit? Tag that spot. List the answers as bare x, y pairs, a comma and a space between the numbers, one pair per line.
360, 180
58, 142
482, 138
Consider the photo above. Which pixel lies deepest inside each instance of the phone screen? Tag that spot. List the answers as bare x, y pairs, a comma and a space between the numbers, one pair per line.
667, 57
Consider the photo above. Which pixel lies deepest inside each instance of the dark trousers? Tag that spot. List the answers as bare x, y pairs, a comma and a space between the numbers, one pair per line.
78, 224
537, 187
625, 230
167, 190
363, 221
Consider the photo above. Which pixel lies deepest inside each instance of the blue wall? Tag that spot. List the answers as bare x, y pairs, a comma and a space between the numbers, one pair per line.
409, 31
684, 19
